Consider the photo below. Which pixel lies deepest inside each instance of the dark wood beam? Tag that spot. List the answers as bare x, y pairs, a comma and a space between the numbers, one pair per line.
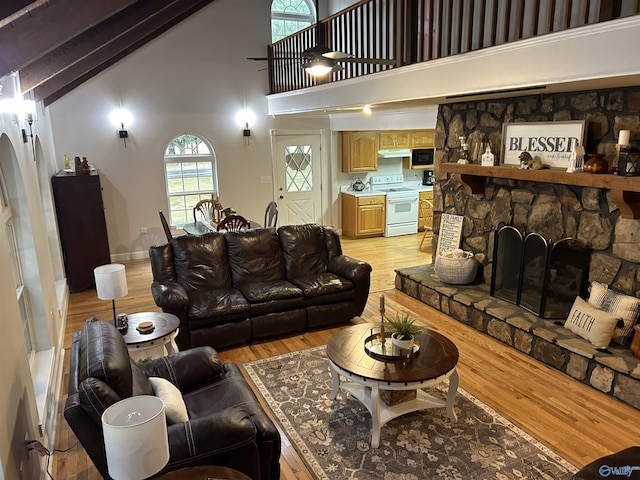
88, 54
38, 32
14, 8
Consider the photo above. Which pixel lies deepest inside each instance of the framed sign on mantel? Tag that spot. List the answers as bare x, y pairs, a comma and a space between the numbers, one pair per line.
550, 142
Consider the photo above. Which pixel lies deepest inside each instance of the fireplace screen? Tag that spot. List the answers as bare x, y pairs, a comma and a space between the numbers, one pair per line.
541, 276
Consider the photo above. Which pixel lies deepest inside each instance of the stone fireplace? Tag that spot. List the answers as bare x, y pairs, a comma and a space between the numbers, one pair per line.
554, 210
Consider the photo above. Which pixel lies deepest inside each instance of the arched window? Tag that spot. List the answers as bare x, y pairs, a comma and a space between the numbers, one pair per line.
190, 171
290, 16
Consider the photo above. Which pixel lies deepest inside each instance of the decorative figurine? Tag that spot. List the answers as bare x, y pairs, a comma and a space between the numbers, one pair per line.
488, 159
576, 162
84, 168
527, 162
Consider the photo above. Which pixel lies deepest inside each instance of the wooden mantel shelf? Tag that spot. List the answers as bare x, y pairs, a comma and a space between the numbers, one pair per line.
625, 191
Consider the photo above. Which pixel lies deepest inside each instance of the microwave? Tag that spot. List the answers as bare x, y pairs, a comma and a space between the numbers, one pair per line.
420, 158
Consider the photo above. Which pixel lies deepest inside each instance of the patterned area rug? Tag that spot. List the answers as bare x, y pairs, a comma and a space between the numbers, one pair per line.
333, 436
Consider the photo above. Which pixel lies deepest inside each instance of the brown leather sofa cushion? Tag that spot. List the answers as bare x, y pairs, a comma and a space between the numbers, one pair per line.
255, 256
257, 292
322, 284
217, 302
305, 250
201, 262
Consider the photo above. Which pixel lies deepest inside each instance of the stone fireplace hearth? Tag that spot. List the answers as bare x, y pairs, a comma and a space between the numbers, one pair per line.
615, 372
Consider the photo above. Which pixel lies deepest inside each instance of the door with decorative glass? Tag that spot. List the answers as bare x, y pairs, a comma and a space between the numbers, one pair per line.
298, 182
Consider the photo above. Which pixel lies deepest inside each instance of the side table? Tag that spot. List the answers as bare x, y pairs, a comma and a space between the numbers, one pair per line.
163, 335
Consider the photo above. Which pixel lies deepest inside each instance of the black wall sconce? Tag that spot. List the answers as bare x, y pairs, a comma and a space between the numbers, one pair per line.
26, 136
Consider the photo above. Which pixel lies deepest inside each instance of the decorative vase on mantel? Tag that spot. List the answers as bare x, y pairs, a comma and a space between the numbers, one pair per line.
596, 164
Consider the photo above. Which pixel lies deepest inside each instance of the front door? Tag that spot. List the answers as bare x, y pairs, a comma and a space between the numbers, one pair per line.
298, 179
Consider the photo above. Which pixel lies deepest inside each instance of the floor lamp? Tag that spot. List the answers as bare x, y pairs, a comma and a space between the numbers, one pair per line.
111, 283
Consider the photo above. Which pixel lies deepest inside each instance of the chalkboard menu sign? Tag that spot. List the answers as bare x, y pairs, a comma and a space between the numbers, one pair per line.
450, 233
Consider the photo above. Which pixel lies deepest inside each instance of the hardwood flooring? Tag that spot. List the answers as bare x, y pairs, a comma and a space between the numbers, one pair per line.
576, 421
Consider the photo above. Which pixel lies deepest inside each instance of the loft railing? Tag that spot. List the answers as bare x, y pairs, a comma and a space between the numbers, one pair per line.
413, 31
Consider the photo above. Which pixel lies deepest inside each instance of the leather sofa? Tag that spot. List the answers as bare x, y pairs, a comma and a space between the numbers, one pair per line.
226, 425
235, 287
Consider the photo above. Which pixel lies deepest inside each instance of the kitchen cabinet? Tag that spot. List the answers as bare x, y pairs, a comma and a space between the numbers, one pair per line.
397, 139
82, 226
363, 216
425, 212
359, 152
422, 138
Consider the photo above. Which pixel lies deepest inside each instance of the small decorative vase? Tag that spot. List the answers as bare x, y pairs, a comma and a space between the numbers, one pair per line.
596, 164
404, 344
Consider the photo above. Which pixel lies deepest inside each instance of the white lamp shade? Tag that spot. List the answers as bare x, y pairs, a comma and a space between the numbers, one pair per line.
111, 281
135, 437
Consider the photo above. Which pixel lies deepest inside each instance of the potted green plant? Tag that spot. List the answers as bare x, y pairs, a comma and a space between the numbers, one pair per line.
404, 329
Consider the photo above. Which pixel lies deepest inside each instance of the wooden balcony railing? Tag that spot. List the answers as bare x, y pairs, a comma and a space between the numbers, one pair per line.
413, 31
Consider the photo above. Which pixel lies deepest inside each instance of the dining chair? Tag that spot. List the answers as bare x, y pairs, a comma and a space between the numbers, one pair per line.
165, 226
233, 222
206, 208
425, 205
271, 215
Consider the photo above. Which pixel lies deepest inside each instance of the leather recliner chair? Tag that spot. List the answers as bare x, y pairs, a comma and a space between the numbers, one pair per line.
226, 426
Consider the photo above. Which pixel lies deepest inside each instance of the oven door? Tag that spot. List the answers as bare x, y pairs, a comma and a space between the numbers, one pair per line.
402, 214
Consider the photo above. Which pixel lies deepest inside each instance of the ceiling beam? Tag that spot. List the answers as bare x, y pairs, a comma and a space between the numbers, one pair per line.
89, 53
39, 30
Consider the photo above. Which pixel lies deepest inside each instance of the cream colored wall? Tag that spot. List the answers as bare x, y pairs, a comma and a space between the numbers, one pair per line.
192, 79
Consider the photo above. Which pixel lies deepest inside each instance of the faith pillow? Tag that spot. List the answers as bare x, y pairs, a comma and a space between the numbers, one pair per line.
591, 324
619, 304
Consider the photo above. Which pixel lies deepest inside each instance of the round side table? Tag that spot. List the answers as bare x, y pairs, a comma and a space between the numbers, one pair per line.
204, 473
163, 335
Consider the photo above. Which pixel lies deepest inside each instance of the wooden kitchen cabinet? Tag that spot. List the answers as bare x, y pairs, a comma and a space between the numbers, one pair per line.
363, 216
397, 139
425, 212
359, 152
82, 226
422, 138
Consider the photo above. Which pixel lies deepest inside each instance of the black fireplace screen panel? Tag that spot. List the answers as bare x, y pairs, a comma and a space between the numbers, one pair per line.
507, 254
568, 276
534, 272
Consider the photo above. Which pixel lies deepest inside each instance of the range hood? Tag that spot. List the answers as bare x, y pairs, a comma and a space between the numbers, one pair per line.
394, 153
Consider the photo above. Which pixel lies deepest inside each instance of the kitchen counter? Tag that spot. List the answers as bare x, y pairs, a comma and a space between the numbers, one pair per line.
368, 192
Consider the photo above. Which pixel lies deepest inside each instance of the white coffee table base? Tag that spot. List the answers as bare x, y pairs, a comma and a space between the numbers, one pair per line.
367, 391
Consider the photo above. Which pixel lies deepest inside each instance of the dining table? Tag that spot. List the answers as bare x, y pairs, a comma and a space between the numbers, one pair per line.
202, 226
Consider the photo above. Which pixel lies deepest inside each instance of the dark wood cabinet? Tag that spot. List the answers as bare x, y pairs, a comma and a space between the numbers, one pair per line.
82, 226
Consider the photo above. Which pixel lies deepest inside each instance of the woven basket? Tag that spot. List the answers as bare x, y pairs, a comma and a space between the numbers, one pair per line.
456, 270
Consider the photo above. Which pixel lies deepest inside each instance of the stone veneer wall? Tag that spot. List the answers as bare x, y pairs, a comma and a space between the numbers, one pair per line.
555, 211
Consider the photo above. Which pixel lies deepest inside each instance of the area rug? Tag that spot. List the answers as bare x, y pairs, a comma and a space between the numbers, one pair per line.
332, 436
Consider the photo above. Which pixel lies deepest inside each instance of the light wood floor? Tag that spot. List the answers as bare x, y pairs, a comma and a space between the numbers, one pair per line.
576, 421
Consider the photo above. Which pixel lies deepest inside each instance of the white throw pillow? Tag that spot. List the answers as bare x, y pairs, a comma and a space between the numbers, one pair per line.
174, 407
591, 324
624, 306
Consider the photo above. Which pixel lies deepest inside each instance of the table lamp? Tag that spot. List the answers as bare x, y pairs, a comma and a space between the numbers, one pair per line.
135, 437
111, 283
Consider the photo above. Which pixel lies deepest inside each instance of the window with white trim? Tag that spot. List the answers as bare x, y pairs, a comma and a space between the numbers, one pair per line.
190, 173
16, 268
290, 16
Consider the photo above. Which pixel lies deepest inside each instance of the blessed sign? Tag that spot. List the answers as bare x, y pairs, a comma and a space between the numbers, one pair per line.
550, 142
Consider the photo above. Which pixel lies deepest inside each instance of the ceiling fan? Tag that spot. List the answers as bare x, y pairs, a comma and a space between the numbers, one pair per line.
320, 60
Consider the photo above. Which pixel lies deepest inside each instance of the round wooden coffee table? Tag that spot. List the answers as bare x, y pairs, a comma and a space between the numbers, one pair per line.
164, 333
204, 473
367, 376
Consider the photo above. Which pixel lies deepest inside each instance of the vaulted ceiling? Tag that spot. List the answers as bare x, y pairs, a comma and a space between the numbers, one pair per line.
56, 45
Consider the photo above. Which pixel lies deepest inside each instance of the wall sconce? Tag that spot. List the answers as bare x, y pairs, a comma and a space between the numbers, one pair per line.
245, 119
29, 108
120, 118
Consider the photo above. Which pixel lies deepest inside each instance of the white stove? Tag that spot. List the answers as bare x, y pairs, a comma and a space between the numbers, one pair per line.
401, 216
